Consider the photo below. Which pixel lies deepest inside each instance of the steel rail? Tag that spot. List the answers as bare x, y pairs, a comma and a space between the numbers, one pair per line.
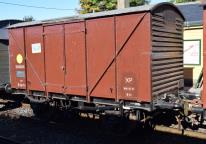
188, 133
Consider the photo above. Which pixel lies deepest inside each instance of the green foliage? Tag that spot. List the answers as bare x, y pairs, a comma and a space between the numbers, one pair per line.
138, 2
89, 6
28, 18
182, 1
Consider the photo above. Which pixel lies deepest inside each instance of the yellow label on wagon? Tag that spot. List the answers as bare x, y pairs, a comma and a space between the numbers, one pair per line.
19, 58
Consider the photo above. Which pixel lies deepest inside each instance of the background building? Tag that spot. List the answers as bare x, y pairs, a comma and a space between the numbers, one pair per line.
193, 41
4, 54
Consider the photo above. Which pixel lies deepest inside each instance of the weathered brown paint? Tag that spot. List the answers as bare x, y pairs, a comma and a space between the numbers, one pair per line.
35, 61
100, 52
54, 58
75, 52
16, 47
105, 57
133, 63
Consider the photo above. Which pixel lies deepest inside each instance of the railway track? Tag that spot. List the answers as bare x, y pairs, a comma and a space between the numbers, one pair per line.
4, 140
160, 128
188, 133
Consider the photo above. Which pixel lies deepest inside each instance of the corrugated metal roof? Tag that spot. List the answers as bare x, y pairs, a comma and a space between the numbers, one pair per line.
3, 25
98, 14
193, 13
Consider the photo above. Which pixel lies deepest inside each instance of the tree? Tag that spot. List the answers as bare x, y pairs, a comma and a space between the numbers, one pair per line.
138, 2
182, 1
28, 18
90, 6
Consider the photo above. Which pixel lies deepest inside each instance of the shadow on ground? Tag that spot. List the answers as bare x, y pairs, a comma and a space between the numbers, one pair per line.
57, 127
72, 129
9, 102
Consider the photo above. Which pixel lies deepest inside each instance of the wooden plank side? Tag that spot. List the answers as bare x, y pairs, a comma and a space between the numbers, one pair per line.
100, 43
75, 52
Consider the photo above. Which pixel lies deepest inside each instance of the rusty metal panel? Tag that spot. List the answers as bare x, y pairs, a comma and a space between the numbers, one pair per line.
17, 58
75, 52
35, 58
134, 62
204, 59
54, 58
100, 44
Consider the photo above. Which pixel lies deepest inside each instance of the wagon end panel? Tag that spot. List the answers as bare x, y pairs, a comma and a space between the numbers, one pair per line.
133, 38
17, 58
204, 58
54, 58
100, 44
35, 58
167, 52
75, 52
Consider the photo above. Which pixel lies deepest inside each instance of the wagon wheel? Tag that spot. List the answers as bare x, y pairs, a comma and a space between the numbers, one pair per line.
43, 111
117, 125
